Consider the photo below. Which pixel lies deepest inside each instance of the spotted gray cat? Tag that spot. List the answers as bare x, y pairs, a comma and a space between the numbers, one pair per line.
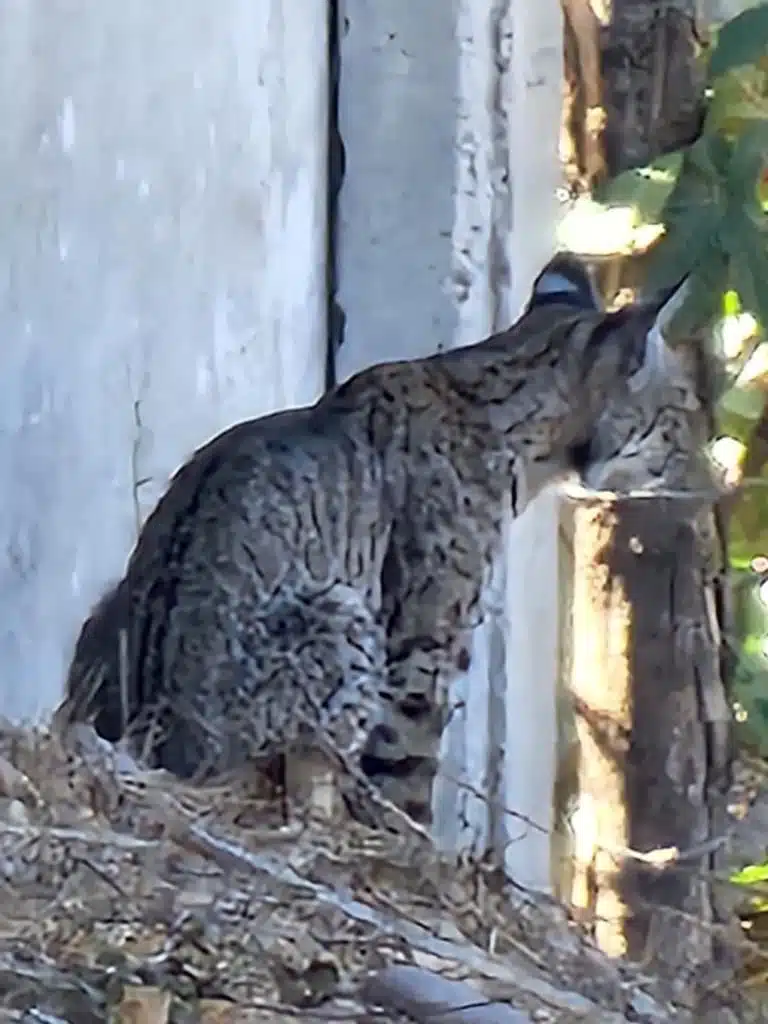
319, 571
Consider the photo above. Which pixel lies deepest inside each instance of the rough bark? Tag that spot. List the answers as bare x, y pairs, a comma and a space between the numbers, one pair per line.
583, 118
653, 82
653, 725
651, 619
634, 87
649, 680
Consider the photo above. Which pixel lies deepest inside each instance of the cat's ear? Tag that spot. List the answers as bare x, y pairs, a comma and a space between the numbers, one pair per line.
660, 362
565, 280
667, 302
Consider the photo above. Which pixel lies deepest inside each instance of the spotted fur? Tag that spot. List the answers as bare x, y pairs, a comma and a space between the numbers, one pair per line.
321, 569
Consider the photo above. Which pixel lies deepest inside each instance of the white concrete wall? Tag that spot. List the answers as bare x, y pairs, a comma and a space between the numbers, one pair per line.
162, 243
532, 563
397, 121
450, 120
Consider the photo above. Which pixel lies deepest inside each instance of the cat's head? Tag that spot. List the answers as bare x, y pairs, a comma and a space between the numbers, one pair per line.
623, 347
637, 395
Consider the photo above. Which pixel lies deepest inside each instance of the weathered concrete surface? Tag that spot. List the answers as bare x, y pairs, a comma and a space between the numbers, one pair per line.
450, 121
399, 81
162, 220
532, 628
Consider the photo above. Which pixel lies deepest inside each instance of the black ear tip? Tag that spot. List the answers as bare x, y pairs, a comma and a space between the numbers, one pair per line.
665, 302
666, 293
569, 265
565, 260
565, 279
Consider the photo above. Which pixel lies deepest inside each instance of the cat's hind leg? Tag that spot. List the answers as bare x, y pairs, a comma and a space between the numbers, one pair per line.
298, 675
431, 599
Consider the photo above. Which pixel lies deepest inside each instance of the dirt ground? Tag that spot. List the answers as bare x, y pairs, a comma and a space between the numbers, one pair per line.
127, 897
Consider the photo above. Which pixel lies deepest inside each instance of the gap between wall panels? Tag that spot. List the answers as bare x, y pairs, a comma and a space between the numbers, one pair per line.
335, 318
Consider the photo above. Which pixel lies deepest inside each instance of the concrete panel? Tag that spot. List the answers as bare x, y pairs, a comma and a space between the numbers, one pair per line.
398, 94
162, 242
531, 557
450, 122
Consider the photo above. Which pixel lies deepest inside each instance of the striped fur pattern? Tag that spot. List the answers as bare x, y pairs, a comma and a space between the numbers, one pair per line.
319, 571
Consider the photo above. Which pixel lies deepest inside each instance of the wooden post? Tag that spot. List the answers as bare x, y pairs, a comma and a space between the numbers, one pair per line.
653, 725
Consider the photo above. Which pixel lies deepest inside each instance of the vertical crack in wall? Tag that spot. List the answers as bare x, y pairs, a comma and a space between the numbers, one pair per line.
499, 283
502, 213
136, 481
335, 319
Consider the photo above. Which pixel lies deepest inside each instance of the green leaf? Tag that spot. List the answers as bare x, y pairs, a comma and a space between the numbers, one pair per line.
742, 40
750, 665
645, 189
731, 303
741, 563
743, 230
742, 551
754, 874
738, 99
741, 403
750, 687
749, 261
745, 242
704, 301
691, 216
747, 537
746, 165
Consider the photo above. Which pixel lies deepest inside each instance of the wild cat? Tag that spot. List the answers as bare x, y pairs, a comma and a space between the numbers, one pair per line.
317, 573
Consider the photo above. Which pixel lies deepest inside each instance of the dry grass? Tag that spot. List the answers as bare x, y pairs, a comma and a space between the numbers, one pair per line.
129, 897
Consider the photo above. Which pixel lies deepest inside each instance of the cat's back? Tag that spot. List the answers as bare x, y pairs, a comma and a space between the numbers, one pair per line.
276, 479
259, 506
290, 491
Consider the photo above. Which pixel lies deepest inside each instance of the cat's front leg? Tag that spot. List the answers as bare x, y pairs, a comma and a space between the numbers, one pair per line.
432, 603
